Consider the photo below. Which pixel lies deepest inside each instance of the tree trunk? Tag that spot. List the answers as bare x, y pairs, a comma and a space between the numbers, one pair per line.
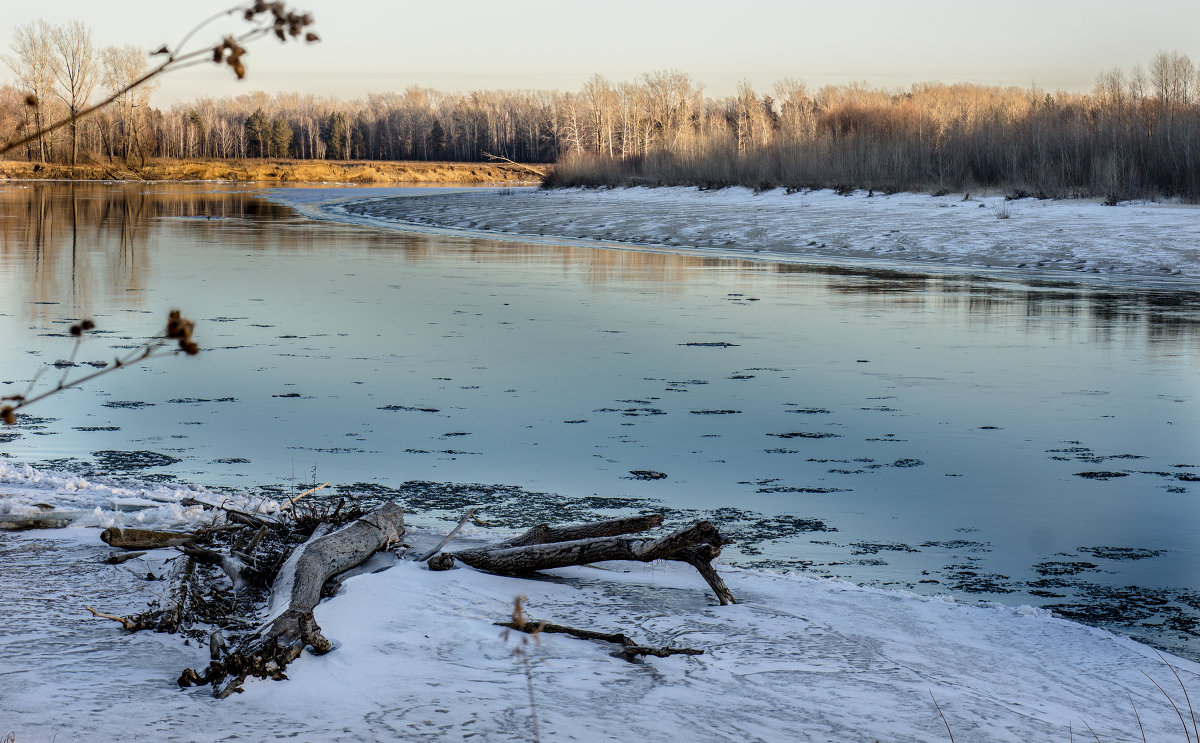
696, 545
295, 592
321, 559
144, 539
545, 534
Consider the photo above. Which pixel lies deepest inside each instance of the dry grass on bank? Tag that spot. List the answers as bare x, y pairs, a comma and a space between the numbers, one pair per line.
278, 171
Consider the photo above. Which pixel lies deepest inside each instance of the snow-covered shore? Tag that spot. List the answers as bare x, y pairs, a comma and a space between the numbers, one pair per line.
418, 656
961, 233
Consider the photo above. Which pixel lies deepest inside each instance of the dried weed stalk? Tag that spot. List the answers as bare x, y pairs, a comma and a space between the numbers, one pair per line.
521, 653
265, 18
175, 338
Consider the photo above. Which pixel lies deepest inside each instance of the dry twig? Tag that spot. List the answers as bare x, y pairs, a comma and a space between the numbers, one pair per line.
129, 624
178, 329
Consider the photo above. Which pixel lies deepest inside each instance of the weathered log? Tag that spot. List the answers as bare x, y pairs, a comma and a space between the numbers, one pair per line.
514, 165
144, 539
696, 545
174, 612
44, 520
546, 534
701, 558
470, 514
629, 649
245, 519
534, 557
233, 514
230, 565
294, 593
117, 558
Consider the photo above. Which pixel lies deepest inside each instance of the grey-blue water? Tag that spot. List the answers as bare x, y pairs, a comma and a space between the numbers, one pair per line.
1022, 443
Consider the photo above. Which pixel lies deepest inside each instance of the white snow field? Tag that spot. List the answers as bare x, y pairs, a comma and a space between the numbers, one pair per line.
961, 233
417, 656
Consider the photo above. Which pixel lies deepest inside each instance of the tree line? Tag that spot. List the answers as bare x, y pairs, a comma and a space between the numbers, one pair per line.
1135, 133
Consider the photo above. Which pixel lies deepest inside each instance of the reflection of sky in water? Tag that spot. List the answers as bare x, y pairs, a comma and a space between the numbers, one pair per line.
563, 369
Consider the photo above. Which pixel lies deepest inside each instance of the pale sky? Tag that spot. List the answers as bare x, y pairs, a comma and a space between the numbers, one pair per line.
376, 46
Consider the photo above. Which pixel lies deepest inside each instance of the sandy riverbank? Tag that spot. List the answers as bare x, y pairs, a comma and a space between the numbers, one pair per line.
274, 170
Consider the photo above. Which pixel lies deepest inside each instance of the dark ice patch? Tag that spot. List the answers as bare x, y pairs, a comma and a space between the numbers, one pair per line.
117, 461
1063, 567
646, 475
789, 489
805, 435
1122, 553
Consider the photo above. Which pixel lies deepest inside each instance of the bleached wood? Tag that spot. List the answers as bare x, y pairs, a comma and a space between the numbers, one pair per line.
546, 534
295, 592
696, 545
144, 539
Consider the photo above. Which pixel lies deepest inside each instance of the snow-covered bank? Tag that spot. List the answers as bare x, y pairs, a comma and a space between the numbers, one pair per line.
418, 657
26, 491
959, 233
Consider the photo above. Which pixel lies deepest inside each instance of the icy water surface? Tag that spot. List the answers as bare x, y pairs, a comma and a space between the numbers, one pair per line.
1001, 441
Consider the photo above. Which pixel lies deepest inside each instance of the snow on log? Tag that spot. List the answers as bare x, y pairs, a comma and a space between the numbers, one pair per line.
294, 593
44, 520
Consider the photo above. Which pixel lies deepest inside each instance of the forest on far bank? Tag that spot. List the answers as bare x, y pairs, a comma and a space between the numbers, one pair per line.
1135, 134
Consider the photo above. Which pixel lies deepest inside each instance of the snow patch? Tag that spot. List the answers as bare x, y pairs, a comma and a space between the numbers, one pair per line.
1142, 242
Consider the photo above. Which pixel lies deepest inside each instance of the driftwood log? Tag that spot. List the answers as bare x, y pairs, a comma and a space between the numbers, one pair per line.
546, 534
253, 550
630, 650
173, 611
46, 520
696, 545
294, 593
145, 539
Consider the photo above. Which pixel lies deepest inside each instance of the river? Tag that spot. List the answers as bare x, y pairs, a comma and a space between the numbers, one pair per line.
1021, 441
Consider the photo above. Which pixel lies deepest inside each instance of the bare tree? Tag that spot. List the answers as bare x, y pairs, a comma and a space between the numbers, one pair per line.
266, 18
76, 71
32, 61
123, 65
601, 102
1171, 77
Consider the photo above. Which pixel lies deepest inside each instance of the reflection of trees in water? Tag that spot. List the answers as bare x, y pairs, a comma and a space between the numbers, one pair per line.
70, 240
67, 237
1107, 313
65, 241
127, 220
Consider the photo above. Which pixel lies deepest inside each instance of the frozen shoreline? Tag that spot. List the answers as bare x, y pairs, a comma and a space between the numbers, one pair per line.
1074, 239
417, 655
